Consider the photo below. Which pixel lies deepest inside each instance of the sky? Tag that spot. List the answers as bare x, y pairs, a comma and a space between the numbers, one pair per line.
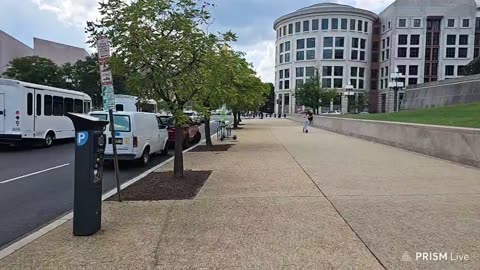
252, 20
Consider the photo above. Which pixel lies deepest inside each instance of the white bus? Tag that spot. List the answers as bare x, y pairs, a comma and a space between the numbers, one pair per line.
32, 112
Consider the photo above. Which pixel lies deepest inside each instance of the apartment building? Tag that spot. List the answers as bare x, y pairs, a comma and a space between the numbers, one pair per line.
424, 41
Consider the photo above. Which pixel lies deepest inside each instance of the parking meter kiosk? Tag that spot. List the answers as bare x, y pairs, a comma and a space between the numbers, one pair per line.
89, 150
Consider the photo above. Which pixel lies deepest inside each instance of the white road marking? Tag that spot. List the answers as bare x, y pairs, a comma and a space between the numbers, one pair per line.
35, 173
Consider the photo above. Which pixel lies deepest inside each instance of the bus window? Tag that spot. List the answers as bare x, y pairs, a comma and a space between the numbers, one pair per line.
47, 105
57, 106
68, 105
29, 103
78, 106
88, 107
39, 104
119, 107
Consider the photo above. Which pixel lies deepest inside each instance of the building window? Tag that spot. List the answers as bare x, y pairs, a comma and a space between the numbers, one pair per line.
284, 79
466, 23
360, 26
344, 24
460, 70
451, 39
414, 52
365, 28
357, 74
310, 71
290, 29
417, 23
306, 26
450, 53
449, 70
413, 70
334, 24
402, 39
451, 23
358, 51
315, 25
284, 30
324, 24
298, 26
299, 72
352, 24
332, 73
389, 25
402, 52
402, 23
462, 52
412, 81
329, 50
402, 69
415, 40
383, 28
285, 52
463, 40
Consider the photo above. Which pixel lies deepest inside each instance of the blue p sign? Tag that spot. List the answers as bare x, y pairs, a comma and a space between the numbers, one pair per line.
82, 138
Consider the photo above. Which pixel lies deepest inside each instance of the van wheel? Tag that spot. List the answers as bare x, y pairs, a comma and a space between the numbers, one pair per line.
145, 156
49, 139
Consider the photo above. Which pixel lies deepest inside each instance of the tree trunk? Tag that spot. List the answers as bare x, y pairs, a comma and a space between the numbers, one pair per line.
178, 162
235, 119
207, 132
239, 117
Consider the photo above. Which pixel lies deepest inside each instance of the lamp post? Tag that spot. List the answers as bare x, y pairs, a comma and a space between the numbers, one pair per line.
396, 85
345, 97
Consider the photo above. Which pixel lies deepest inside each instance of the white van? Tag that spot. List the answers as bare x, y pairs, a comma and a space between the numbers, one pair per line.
127, 103
138, 135
32, 112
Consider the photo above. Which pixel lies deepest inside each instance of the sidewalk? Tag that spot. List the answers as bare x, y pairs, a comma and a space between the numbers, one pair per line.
264, 207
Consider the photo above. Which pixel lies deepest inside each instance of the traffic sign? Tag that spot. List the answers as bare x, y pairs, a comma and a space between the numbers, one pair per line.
108, 97
103, 47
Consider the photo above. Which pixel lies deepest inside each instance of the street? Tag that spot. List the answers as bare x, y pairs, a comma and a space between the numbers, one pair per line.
36, 185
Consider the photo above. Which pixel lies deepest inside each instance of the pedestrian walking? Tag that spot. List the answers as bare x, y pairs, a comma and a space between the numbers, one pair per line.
310, 117
306, 123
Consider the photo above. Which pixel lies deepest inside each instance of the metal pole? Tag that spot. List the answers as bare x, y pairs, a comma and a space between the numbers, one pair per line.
115, 157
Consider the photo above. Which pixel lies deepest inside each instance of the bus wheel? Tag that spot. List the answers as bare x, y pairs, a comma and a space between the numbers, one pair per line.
49, 139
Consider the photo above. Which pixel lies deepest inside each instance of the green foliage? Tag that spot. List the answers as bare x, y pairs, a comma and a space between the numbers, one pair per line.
473, 67
269, 106
35, 69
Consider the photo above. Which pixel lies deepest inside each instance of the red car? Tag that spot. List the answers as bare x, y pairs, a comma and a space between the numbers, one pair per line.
191, 133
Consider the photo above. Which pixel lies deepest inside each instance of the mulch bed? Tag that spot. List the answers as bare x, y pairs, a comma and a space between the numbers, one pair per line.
164, 186
214, 148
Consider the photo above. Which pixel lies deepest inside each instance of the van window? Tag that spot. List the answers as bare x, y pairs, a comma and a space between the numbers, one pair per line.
122, 123
68, 105
47, 105
99, 116
78, 106
57, 106
29, 103
39, 104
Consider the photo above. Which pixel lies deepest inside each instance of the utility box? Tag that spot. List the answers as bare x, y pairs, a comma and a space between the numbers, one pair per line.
89, 151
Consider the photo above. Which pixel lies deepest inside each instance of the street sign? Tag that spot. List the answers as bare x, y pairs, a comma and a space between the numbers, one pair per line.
108, 97
103, 47
396, 84
106, 77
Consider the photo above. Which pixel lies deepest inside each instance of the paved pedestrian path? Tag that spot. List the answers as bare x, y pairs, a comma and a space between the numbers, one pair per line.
280, 199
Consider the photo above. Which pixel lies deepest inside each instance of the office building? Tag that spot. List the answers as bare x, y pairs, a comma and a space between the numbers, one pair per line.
425, 41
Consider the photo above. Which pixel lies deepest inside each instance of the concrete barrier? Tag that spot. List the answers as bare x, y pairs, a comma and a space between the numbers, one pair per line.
460, 145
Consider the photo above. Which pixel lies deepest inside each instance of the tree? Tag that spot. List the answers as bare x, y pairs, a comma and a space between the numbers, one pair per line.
269, 106
313, 95
163, 47
35, 69
473, 67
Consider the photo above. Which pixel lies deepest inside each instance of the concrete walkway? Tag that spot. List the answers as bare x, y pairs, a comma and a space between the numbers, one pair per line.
280, 199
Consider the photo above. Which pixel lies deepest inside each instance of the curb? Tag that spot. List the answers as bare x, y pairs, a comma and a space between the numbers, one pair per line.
69, 215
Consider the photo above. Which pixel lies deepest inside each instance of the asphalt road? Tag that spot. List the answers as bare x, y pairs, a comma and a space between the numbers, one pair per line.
40, 187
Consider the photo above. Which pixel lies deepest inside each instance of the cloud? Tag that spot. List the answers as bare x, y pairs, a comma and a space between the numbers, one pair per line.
70, 12
262, 55
373, 5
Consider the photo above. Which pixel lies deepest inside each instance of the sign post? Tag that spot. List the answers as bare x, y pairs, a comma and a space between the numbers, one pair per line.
108, 95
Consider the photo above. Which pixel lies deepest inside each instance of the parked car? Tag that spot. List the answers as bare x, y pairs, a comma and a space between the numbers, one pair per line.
138, 135
194, 116
191, 133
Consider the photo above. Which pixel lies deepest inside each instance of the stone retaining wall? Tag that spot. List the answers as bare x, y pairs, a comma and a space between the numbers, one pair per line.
460, 145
